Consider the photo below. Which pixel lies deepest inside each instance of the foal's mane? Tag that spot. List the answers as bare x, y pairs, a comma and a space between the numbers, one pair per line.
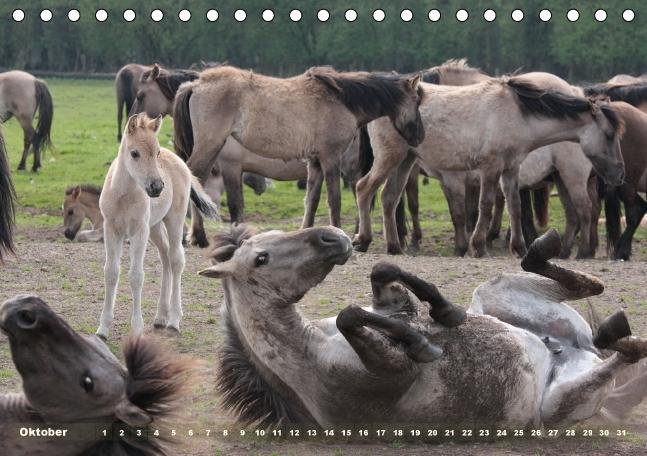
547, 103
224, 245
169, 81
634, 94
158, 380
87, 188
362, 92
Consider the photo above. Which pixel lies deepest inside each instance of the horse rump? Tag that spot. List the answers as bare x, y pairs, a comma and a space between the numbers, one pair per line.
182, 126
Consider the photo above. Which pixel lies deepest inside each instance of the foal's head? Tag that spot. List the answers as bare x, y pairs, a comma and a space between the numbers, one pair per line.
140, 151
71, 378
150, 97
278, 267
74, 209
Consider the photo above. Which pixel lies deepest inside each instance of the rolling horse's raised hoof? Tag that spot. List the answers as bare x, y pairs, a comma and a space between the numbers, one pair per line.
612, 329
542, 249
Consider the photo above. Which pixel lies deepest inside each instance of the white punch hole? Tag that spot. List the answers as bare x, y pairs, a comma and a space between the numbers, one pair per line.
378, 15
18, 15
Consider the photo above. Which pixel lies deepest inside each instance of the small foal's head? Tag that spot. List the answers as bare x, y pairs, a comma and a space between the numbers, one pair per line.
140, 151
73, 212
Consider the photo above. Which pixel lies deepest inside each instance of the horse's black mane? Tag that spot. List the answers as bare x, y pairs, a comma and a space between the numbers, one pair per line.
88, 188
158, 380
363, 93
634, 94
169, 81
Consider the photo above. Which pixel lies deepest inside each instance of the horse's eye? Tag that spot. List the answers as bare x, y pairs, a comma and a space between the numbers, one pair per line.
70, 212
262, 259
140, 96
86, 383
134, 154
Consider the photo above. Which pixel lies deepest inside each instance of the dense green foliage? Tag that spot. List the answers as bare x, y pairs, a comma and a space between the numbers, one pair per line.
584, 50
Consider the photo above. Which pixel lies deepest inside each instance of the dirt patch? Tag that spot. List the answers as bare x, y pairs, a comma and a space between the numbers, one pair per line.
69, 277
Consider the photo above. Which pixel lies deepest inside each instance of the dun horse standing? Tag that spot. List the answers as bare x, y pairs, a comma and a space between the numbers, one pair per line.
22, 96
146, 194
314, 116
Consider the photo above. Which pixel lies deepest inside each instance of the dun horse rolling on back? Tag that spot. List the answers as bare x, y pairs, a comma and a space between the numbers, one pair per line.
21, 96
314, 116
146, 193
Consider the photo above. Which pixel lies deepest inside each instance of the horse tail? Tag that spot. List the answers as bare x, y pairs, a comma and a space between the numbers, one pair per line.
612, 216
366, 157
125, 96
182, 127
7, 201
45, 107
540, 200
203, 201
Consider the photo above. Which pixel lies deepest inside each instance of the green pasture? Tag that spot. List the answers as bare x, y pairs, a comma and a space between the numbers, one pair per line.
84, 137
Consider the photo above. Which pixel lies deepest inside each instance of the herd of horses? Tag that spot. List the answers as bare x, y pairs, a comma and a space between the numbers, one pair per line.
414, 355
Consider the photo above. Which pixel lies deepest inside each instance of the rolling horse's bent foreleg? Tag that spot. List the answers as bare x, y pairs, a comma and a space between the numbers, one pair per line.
369, 333
442, 311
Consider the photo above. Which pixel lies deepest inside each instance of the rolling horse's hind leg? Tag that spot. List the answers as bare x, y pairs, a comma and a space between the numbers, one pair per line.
575, 284
372, 344
441, 310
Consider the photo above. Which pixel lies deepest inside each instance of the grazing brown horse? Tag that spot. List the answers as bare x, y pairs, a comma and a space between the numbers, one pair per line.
73, 382
314, 116
22, 96
7, 202
127, 83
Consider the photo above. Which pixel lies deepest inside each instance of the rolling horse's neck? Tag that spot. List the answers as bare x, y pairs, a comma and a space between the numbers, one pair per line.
16, 417
276, 339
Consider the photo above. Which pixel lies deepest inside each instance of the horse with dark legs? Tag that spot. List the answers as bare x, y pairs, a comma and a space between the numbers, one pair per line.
23, 96
81, 202
543, 116
7, 202
74, 384
127, 81
314, 116
503, 363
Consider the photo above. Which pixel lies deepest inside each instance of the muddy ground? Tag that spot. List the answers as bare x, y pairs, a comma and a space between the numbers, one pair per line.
69, 277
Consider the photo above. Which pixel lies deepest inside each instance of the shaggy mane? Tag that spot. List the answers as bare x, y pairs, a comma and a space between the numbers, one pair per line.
224, 245
361, 92
169, 81
158, 381
88, 188
634, 94
432, 75
246, 392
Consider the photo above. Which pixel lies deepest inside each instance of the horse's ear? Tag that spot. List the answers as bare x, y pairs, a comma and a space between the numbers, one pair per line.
413, 81
156, 124
219, 270
131, 125
155, 72
132, 415
76, 192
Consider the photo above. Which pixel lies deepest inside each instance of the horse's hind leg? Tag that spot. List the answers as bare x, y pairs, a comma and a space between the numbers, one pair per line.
113, 246
313, 192
441, 310
391, 195
575, 284
198, 234
375, 350
572, 222
233, 180
413, 201
489, 181
635, 208
510, 186
497, 218
28, 136
160, 239
332, 174
454, 190
174, 225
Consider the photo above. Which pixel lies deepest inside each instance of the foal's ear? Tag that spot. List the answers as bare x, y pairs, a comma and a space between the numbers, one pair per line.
155, 72
156, 124
131, 125
413, 81
219, 270
76, 192
132, 415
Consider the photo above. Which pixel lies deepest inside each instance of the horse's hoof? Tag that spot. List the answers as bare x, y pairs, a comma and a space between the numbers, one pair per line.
159, 326
613, 328
491, 237
35, 170
584, 255
172, 331
394, 250
360, 245
565, 254
450, 317
21, 167
199, 240
542, 249
424, 352
519, 250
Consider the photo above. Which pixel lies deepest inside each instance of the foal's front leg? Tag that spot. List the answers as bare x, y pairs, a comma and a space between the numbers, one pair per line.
160, 239
174, 225
138, 241
114, 242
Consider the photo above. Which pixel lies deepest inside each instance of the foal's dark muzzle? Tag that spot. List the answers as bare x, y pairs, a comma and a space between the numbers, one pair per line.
154, 188
70, 234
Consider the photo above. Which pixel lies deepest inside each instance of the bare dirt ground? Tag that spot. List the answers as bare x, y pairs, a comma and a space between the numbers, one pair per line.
69, 277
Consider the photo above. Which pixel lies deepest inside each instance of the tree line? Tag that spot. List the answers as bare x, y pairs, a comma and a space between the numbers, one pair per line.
585, 50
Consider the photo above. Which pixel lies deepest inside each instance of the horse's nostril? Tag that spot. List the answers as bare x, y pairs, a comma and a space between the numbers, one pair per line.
26, 319
327, 238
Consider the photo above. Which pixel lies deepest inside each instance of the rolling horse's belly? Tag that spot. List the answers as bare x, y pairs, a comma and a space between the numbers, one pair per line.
490, 374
